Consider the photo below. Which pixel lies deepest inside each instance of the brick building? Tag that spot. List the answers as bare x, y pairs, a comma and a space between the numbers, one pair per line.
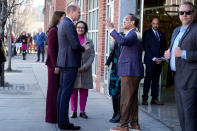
95, 12
49, 7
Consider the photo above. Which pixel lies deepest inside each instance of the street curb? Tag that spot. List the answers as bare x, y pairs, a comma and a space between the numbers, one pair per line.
155, 118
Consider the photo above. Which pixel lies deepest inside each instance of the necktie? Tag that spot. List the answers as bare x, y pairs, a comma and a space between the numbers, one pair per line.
157, 35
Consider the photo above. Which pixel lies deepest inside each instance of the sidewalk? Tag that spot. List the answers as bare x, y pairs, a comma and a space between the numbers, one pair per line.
22, 104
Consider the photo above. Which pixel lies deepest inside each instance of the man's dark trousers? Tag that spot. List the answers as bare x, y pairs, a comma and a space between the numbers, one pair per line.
153, 72
40, 49
67, 80
186, 102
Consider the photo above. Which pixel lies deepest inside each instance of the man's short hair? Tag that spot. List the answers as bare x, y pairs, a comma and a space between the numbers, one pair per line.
155, 18
71, 7
187, 3
135, 19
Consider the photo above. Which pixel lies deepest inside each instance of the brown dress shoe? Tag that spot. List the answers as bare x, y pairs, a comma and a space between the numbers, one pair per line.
135, 128
144, 102
156, 102
119, 128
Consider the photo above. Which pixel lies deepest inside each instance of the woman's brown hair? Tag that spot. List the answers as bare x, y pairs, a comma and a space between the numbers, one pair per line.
55, 19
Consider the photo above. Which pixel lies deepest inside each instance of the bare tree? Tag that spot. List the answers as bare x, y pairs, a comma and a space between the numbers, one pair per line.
7, 7
24, 18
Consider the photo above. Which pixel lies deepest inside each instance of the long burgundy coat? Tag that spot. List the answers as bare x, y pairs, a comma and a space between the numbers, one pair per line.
53, 79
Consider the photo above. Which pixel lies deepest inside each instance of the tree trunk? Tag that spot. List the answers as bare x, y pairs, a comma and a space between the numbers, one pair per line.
2, 78
3, 11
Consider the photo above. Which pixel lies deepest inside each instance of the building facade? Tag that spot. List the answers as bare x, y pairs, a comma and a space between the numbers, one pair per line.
95, 13
49, 7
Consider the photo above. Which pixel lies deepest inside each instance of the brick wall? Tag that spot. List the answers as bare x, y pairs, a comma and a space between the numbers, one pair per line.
46, 14
116, 14
101, 44
50, 7
57, 5
85, 10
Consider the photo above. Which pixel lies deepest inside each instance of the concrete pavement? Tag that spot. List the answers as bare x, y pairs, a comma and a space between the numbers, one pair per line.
22, 103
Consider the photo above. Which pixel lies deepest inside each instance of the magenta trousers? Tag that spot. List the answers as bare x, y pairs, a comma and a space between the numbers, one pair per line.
82, 101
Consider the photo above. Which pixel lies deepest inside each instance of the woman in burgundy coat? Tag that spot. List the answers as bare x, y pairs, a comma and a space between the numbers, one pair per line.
53, 71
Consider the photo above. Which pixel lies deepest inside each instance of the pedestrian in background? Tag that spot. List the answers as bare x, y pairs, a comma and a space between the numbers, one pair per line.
19, 48
40, 40
84, 80
34, 38
23, 39
53, 71
29, 43
34, 41
182, 55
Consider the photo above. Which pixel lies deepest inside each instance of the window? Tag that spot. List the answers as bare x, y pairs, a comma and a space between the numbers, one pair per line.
93, 29
80, 3
108, 40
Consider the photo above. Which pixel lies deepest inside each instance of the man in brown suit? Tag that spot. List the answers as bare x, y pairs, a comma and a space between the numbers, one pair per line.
130, 71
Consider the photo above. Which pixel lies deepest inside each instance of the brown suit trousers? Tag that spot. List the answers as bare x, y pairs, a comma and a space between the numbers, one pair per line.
129, 100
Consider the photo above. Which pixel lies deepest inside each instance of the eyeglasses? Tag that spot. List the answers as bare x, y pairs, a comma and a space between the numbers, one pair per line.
185, 12
80, 27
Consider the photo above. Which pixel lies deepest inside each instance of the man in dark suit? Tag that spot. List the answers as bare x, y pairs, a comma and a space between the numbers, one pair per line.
154, 45
130, 71
183, 61
69, 60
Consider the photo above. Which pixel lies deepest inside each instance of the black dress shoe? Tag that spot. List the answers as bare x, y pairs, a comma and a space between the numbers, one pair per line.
144, 102
115, 119
114, 115
68, 126
83, 115
62, 125
156, 102
74, 115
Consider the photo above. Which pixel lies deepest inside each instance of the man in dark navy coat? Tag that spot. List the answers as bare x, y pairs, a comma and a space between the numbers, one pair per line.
154, 45
69, 60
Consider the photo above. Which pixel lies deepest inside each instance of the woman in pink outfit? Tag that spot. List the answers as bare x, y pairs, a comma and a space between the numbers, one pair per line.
24, 45
84, 79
